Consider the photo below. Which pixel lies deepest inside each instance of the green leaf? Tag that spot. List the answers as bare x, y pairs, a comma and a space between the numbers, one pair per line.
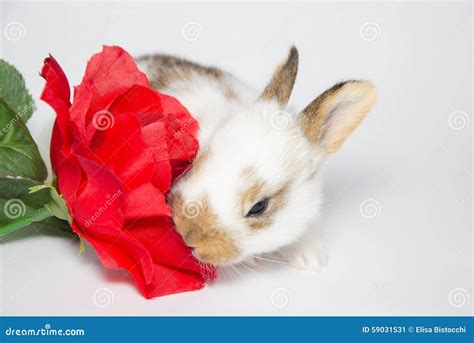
52, 223
19, 154
19, 207
16, 201
13, 91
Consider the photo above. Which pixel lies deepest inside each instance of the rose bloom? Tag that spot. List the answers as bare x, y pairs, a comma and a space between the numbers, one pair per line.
116, 150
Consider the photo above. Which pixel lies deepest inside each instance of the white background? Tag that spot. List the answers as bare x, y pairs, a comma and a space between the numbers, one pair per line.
412, 155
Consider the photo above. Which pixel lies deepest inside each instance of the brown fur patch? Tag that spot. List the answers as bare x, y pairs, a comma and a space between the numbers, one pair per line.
277, 198
202, 231
283, 80
251, 196
166, 69
356, 97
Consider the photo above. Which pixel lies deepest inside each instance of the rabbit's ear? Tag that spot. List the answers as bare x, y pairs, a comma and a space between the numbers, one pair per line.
335, 114
283, 79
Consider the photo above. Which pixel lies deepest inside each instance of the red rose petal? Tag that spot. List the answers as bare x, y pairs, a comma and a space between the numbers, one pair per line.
155, 136
182, 129
144, 102
166, 246
145, 201
161, 177
101, 199
169, 281
122, 149
57, 85
108, 74
67, 167
56, 93
180, 113
118, 250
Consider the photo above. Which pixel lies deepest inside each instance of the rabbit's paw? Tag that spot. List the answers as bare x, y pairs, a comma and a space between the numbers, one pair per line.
311, 258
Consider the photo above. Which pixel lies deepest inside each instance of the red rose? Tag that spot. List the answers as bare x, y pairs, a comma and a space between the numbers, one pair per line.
116, 150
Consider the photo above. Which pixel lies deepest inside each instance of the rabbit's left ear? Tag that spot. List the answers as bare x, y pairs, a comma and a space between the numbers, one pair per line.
283, 80
330, 118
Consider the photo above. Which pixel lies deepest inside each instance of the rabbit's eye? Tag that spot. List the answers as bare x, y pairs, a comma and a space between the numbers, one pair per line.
258, 208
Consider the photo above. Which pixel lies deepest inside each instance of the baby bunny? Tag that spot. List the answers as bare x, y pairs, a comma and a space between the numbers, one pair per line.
254, 187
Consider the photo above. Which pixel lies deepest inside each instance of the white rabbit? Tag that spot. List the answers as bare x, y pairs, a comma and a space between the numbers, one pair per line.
254, 187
